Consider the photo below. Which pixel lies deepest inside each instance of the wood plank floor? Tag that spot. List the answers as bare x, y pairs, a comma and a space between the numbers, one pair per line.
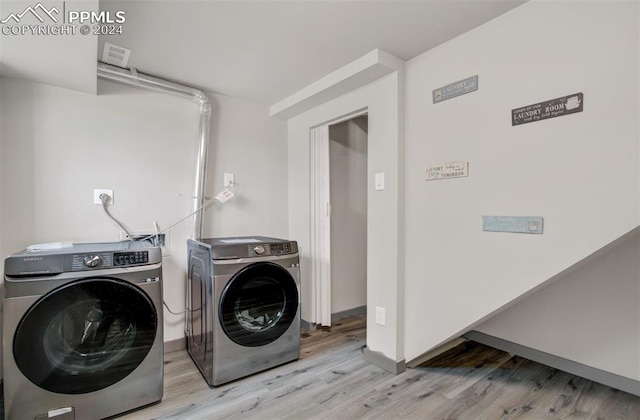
331, 381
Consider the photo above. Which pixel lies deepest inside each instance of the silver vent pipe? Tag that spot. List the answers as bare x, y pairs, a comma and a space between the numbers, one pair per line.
141, 80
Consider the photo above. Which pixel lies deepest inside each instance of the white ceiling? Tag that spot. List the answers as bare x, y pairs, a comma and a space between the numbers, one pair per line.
264, 51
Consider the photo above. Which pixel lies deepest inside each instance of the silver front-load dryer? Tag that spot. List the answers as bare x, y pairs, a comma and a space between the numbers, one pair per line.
82, 331
244, 295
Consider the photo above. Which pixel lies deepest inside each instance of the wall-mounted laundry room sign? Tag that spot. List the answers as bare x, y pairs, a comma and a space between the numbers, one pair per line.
448, 170
513, 224
461, 87
548, 109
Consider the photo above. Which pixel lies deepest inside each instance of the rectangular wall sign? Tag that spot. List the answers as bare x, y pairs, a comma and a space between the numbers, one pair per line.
461, 87
514, 224
548, 109
448, 170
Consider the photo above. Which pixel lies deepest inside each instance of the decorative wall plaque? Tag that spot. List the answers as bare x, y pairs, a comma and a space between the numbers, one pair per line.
461, 87
448, 170
513, 224
549, 109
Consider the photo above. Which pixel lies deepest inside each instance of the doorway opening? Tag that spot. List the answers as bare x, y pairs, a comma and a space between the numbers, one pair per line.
339, 216
348, 195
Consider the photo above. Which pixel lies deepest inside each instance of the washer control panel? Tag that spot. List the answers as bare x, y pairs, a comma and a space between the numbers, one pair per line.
130, 258
98, 260
81, 257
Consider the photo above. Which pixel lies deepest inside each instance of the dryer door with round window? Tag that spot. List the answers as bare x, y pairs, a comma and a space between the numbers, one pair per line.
258, 304
85, 335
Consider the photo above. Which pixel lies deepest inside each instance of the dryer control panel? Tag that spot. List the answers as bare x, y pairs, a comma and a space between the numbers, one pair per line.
269, 249
249, 247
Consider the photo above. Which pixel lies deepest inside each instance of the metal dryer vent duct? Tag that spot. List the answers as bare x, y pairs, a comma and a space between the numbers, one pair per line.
141, 80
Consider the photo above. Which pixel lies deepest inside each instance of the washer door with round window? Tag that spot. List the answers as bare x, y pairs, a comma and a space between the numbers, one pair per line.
85, 336
258, 304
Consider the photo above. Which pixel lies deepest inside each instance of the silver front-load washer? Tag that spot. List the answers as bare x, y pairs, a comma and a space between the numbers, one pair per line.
82, 331
244, 295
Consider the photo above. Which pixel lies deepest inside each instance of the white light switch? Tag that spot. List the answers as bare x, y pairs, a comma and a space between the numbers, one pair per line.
379, 181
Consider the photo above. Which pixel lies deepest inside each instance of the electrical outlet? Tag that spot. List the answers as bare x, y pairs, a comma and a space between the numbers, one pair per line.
96, 196
229, 179
381, 316
379, 181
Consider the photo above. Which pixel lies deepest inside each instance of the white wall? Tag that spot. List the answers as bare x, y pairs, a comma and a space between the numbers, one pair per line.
585, 316
580, 172
383, 99
247, 142
58, 145
348, 185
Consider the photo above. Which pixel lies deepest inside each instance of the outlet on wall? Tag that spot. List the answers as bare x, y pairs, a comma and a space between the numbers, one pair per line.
229, 180
96, 196
379, 181
381, 316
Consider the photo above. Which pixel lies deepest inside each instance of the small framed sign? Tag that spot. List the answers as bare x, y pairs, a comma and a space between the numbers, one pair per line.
447, 170
461, 87
548, 109
513, 224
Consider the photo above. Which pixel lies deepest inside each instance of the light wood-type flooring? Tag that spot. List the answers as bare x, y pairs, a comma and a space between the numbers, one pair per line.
332, 381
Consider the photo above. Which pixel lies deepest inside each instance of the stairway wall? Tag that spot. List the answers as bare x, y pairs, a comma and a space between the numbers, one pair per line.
585, 315
579, 172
